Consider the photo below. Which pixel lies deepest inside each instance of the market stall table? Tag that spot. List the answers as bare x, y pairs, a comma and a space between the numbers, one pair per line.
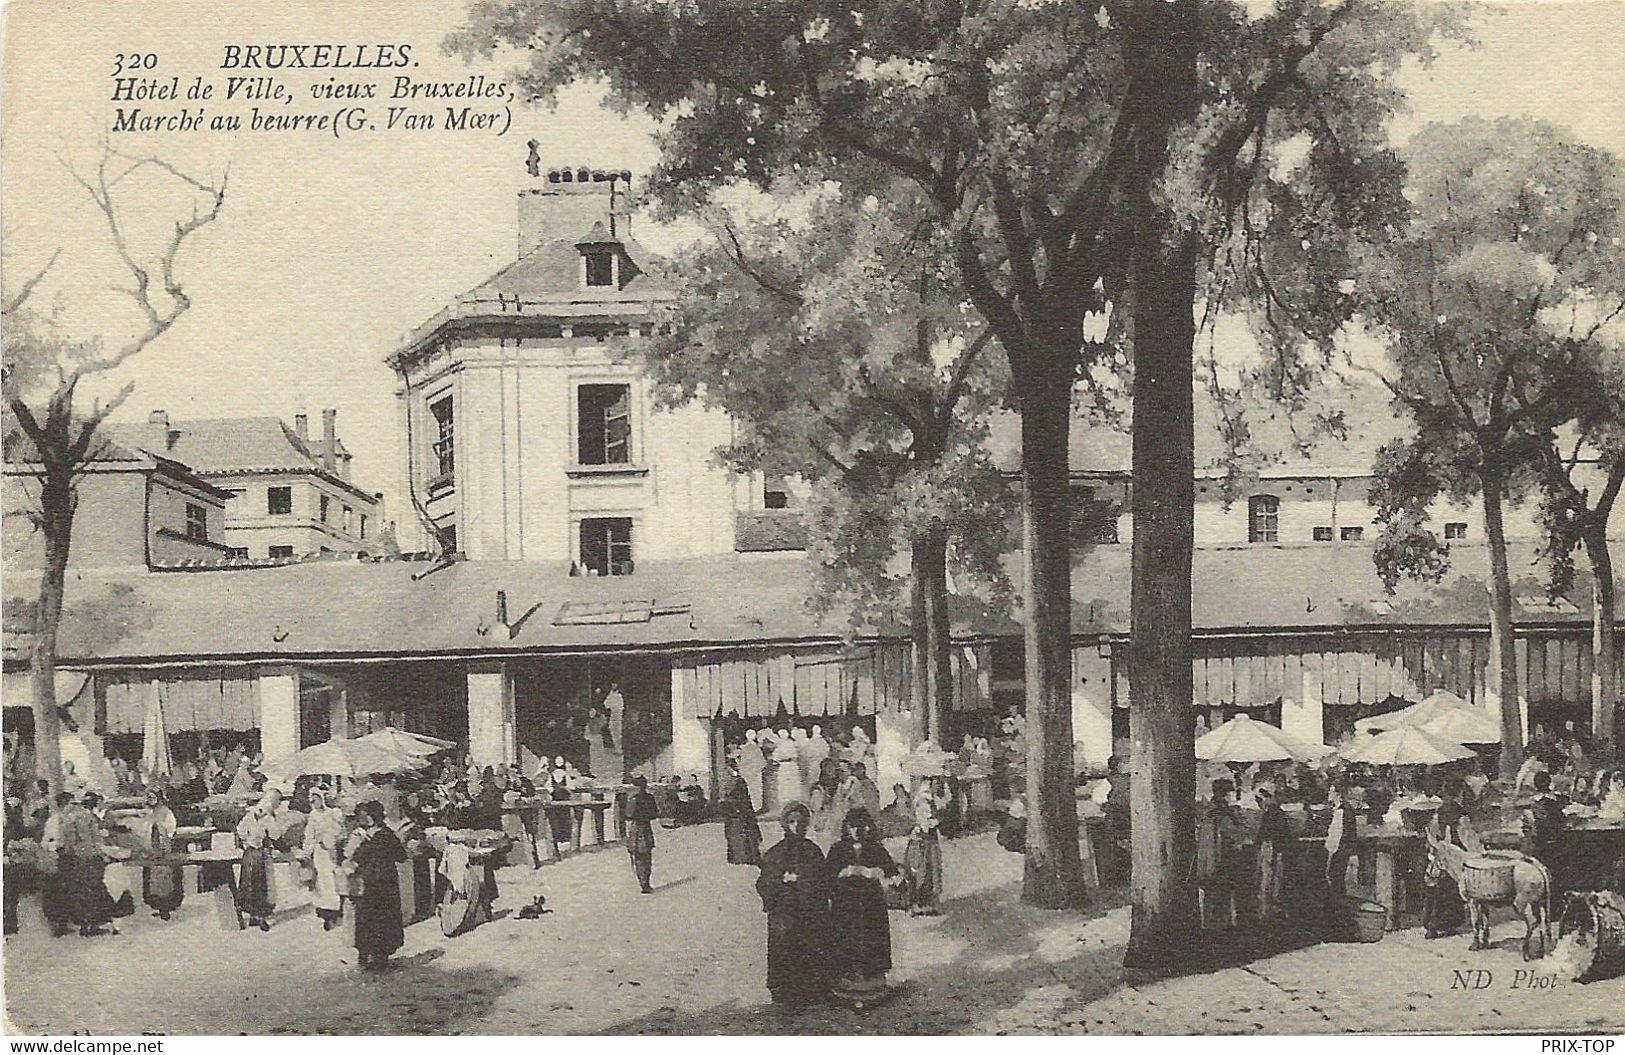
1398, 858
537, 814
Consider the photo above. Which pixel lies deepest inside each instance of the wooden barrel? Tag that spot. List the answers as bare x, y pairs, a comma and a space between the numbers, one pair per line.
1597, 923
1487, 877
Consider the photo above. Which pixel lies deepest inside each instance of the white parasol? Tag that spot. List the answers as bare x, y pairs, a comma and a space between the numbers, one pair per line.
1435, 704
155, 738
341, 758
413, 745
1243, 740
1464, 727
1406, 746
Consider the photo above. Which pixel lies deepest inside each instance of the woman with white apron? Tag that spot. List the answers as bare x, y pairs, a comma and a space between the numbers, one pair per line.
324, 835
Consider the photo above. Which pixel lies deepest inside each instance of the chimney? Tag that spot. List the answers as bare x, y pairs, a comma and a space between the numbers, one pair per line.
158, 417
330, 440
301, 427
569, 201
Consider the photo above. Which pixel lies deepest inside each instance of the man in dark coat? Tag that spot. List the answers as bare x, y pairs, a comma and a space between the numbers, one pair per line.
794, 888
375, 850
640, 834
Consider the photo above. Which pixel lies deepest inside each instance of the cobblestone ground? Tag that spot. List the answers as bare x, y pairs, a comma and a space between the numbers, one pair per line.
690, 959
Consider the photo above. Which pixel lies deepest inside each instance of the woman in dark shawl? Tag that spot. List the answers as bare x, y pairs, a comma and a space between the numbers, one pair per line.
374, 850
923, 857
795, 895
739, 822
85, 866
860, 931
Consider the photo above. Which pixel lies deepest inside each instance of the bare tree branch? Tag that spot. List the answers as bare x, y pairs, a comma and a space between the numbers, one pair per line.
159, 319
13, 303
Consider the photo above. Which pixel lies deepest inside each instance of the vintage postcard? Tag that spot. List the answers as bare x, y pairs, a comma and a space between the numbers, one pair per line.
990, 517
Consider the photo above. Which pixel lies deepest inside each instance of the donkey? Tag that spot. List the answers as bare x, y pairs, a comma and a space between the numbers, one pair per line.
1532, 892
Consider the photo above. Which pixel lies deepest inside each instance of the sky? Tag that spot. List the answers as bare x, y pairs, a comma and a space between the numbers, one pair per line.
328, 250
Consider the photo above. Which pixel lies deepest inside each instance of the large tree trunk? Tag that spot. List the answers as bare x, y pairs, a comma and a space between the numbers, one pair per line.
1503, 647
919, 687
1162, 794
1603, 613
932, 635
56, 507
1054, 872
938, 634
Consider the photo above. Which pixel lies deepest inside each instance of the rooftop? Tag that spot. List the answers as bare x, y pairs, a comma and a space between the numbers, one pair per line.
545, 283
229, 446
367, 608
1282, 445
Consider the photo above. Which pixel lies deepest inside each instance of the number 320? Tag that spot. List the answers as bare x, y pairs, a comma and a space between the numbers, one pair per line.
135, 61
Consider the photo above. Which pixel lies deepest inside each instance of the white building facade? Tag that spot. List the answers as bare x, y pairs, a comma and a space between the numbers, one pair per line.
527, 437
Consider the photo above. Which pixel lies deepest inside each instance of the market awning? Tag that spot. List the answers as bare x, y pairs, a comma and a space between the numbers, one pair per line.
191, 701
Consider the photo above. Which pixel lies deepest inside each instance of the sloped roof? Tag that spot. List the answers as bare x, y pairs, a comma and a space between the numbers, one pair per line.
112, 449
552, 273
213, 445
1093, 447
546, 283
351, 609
222, 446
104, 448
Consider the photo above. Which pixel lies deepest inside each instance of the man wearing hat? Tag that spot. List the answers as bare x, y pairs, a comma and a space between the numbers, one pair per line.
640, 834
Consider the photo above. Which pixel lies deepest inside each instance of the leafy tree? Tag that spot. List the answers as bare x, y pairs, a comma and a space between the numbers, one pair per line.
844, 354
1511, 241
1575, 508
1077, 158
45, 429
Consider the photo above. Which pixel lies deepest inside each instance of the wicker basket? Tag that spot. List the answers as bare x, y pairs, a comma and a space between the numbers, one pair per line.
1487, 877
1369, 919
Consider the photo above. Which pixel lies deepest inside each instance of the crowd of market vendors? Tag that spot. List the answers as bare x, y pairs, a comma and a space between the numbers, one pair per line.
341, 836
1280, 823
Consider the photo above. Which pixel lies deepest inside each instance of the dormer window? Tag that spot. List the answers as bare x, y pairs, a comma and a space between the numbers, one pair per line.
599, 266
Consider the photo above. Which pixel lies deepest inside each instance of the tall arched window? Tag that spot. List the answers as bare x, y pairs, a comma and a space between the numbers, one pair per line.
1263, 518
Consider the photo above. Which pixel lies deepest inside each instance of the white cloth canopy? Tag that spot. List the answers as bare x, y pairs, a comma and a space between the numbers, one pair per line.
1437, 703
341, 758
1465, 727
1242, 739
155, 738
413, 745
1406, 746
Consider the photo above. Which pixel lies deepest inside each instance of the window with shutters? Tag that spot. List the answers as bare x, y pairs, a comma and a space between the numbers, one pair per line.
445, 459
1263, 518
604, 425
606, 546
